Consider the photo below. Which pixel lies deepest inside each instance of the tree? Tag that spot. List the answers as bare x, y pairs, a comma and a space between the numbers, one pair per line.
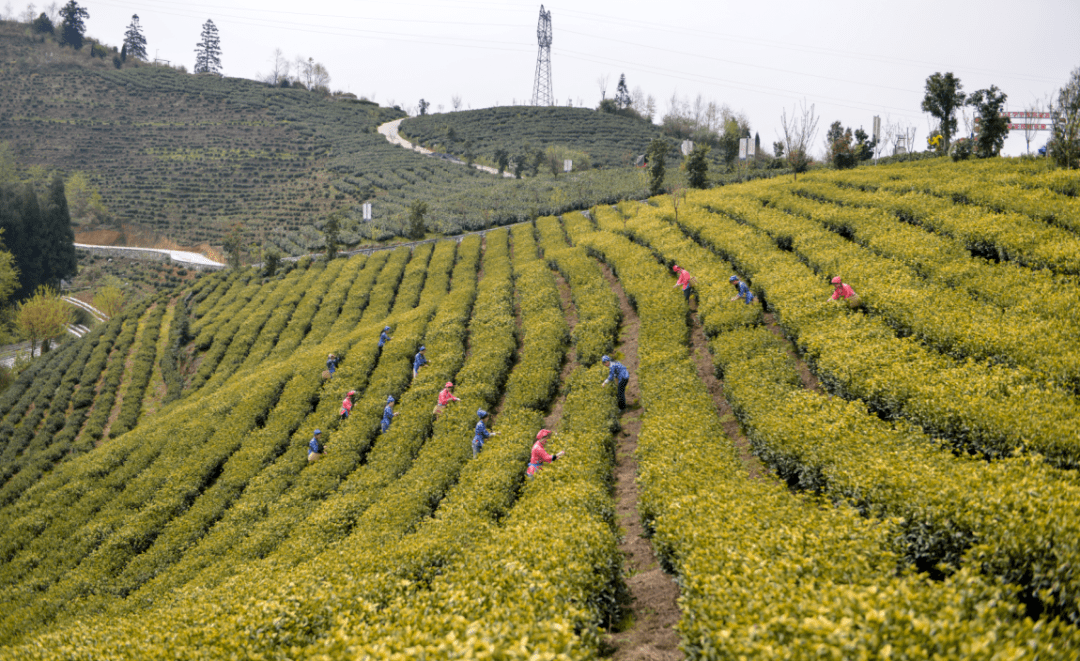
778, 149
43, 316
838, 141
502, 159
134, 41
279, 70
622, 93
993, 127
208, 51
271, 261
799, 131
602, 81
331, 234
656, 153
424, 105
42, 24
109, 300
944, 95
1064, 145
1030, 130
73, 28
455, 102
697, 166
57, 237
232, 244
417, 210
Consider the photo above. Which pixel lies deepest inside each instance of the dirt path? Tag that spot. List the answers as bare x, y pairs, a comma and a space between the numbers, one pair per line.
699, 351
809, 380
552, 419
653, 611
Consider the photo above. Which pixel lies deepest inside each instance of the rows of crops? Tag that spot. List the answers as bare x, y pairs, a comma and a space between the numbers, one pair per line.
921, 502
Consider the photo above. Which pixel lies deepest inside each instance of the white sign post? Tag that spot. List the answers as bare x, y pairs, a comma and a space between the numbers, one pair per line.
686, 147
567, 165
367, 210
742, 148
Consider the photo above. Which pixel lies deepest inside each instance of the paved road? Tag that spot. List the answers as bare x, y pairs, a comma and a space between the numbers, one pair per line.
181, 256
390, 130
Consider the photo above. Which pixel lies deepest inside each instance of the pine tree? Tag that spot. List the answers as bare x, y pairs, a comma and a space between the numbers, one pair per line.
19, 213
208, 51
72, 27
134, 41
58, 239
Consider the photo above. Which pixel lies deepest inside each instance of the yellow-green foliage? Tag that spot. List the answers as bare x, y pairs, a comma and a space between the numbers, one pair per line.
765, 573
596, 305
987, 408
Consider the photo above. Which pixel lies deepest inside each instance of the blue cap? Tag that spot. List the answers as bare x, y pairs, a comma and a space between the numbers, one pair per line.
481, 412
733, 278
605, 359
387, 328
318, 431
422, 347
390, 399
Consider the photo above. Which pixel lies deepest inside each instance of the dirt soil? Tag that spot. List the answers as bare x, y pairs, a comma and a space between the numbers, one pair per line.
809, 380
653, 612
699, 349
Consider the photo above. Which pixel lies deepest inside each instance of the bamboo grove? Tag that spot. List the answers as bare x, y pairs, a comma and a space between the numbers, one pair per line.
920, 501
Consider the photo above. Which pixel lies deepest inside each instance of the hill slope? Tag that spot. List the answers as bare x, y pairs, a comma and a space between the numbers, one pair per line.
609, 140
938, 419
187, 156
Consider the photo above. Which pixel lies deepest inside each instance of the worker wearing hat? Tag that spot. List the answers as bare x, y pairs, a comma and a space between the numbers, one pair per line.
841, 290
346, 405
684, 281
419, 361
445, 397
540, 455
383, 337
743, 291
482, 433
618, 373
315, 446
388, 413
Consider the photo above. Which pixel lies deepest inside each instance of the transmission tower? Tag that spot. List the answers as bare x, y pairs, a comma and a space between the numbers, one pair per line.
542, 95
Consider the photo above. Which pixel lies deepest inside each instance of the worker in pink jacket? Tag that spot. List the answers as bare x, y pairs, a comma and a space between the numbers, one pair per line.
539, 455
445, 397
843, 291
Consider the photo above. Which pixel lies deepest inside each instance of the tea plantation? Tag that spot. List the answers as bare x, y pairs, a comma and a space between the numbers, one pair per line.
920, 499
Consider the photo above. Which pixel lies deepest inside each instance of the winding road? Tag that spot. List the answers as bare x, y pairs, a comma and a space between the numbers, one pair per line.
390, 130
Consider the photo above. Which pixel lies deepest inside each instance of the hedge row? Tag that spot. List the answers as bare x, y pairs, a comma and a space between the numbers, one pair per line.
762, 570
994, 518
938, 258
357, 297
996, 236
945, 319
138, 377
988, 409
1049, 196
596, 305
544, 331
254, 303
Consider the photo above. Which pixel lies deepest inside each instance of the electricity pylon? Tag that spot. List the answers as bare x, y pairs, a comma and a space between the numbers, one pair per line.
542, 95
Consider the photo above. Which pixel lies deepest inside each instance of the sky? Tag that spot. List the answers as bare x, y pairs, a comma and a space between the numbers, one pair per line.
850, 59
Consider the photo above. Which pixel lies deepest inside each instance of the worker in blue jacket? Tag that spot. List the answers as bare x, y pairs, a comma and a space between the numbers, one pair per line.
618, 373
742, 290
419, 361
481, 434
384, 338
331, 364
315, 447
388, 413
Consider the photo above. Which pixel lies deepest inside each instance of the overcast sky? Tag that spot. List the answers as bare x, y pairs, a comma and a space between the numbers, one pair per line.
852, 59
